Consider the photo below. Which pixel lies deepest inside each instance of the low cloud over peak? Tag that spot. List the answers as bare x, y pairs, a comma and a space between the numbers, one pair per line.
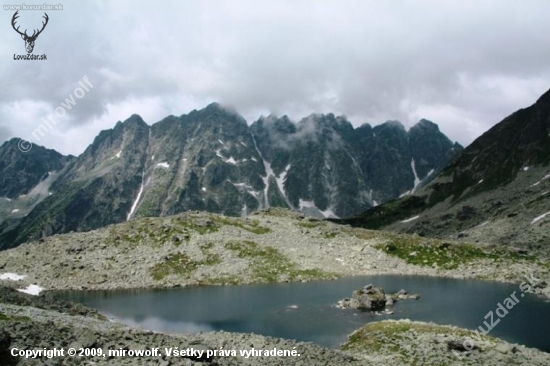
453, 62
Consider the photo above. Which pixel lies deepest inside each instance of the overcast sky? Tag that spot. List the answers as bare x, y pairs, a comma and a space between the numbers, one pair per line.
462, 64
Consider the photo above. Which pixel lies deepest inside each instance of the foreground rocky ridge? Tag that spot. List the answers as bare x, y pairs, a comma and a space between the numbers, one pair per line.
404, 342
28, 327
271, 246
35, 326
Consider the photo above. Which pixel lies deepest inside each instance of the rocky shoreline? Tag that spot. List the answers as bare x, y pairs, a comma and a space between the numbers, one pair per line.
38, 322
36, 325
271, 246
405, 342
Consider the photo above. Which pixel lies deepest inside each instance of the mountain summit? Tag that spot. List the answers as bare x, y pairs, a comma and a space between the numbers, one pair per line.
211, 160
497, 187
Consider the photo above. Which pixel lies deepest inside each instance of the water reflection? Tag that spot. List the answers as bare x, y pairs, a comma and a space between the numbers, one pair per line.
306, 311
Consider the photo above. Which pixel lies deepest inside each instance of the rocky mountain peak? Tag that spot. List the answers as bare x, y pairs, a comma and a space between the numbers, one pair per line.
544, 99
220, 113
326, 120
281, 125
392, 124
211, 160
135, 119
426, 125
496, 186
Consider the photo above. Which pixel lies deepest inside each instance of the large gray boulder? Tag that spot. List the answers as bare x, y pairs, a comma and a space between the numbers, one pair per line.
369, 297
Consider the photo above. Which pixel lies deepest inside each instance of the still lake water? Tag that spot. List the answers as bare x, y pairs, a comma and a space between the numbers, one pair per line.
306, 311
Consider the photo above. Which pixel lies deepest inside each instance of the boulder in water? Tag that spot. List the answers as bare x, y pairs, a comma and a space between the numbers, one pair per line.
369, 297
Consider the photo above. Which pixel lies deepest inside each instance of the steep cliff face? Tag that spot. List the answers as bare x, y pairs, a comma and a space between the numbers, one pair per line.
497, 187
25, 180
21, 171
331, 169
206, 160
212, 160
94, 189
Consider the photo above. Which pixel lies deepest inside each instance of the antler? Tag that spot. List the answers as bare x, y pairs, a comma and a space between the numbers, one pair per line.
34, 34
43, 24
15, 16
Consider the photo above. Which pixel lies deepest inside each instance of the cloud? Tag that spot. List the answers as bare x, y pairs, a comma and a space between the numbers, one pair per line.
452, 62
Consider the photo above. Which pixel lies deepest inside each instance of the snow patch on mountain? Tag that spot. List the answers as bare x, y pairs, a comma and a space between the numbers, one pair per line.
134, 205
281, 179
328, 213
34, 290
416, 179
410, 219
268, 170
309, 207
306, 204
12, 276
117, 155
248, 189
538, 218
229, 161
540, 181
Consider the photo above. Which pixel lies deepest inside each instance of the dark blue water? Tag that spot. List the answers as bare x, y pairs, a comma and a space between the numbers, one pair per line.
306, 312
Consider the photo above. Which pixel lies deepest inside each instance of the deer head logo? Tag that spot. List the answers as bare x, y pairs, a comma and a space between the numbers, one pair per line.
29, 40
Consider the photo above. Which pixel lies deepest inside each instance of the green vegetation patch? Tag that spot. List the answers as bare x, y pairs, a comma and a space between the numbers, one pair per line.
309, 224
269, 265
330, 235
210, 259
222, 280
383, 336
445, 255
181, 265
252, 226
157, 232
175, 264
13, 318
363, 234
200, 226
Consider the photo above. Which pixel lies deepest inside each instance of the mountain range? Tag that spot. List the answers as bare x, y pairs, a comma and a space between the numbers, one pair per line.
212, 160
496, 190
